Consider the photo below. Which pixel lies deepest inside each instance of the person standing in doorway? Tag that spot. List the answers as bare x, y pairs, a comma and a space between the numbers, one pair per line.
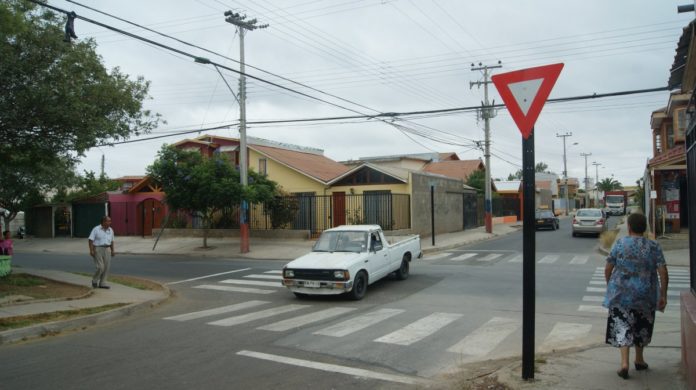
101, 248
633, 292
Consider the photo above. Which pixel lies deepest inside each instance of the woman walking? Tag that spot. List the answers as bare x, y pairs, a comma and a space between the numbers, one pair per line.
632, 292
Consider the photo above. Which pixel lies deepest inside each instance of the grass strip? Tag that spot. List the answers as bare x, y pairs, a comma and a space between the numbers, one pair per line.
34, 319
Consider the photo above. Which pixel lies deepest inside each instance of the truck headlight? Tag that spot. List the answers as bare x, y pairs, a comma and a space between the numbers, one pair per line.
288, 273
342, 275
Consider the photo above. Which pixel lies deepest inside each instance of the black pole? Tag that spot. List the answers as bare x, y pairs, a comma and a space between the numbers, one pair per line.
528, 259
432, 212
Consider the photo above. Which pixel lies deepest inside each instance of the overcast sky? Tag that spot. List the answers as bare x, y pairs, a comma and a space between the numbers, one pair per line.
399, 56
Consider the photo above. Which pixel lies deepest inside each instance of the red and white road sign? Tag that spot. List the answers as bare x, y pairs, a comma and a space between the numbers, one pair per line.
525, 91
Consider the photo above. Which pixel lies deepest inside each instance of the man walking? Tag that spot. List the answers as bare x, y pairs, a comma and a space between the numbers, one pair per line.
100, 240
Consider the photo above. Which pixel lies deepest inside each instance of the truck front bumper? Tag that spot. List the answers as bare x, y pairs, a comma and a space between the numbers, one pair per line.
318, 287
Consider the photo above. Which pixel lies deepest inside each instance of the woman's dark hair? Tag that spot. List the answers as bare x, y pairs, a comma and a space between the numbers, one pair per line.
637, 223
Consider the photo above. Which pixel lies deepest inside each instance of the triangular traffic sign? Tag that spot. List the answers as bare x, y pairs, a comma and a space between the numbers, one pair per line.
525, 91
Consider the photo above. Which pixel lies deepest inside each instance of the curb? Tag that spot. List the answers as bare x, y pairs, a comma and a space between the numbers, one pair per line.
54, 328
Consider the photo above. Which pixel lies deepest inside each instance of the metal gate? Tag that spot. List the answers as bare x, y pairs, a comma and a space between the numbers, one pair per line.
470, 211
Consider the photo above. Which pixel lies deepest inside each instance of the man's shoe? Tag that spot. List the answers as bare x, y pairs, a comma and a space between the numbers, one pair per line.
94, 285
104, 286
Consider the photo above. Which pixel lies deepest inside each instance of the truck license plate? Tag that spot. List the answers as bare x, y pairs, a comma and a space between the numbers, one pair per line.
312, 284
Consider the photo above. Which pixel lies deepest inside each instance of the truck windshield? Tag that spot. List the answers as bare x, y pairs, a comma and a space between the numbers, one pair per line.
343, 241
615, 199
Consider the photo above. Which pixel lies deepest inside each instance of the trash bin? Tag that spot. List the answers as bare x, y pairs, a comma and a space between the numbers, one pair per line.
5, 265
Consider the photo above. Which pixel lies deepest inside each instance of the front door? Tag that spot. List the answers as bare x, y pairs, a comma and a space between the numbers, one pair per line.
339, 209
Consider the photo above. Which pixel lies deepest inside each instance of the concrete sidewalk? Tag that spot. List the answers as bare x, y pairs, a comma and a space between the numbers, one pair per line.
590, 367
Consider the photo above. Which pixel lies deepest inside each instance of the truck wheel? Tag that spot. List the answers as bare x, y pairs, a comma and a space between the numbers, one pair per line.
402, 272
359, 286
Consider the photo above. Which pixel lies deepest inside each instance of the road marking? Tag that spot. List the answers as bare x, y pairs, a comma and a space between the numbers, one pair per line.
600, 282
580, 259
464, 256
593, 298
207, 276
359, 372
251, 282
355, 324
516, 259
671, 293
563, 333
257, 276
275, 271
419, 330
296, 322
593, 309
257, 315
235, 289
490, 257
679, 278
596, 289
215, 311
436, 257
679, 285
548, 259
484, 339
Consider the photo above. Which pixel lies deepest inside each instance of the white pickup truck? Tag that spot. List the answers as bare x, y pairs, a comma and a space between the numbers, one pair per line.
348, 258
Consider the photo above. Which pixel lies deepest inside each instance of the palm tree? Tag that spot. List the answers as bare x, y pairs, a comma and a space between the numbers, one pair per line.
609, 184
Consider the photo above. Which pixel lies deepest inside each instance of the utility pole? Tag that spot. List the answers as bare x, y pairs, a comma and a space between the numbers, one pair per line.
596, 180
242, 25
487, 112
587, 180
565, 169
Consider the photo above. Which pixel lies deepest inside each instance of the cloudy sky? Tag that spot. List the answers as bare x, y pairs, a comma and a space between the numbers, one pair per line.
372, 56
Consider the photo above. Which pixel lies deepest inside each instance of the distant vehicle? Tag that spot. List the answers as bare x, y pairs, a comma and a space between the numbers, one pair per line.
347, 259
546, 219
589, 221
616, 202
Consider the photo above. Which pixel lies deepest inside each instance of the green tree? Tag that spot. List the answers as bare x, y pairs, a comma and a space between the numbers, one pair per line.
609, 184
477, 180
85, 186
540, 167
640, 195
58, 101
205, 185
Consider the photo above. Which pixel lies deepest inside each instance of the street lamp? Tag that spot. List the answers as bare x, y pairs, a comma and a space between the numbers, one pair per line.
596, 165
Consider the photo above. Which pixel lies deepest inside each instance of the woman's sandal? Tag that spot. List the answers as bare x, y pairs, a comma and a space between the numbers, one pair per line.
641, 366
623, 373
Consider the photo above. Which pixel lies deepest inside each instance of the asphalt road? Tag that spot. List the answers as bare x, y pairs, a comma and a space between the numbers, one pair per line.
231, 324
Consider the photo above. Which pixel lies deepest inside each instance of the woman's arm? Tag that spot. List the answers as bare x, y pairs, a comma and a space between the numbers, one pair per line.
664, 281
607, 271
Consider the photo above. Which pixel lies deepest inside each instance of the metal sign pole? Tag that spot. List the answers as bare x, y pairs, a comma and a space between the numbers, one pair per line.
528, 257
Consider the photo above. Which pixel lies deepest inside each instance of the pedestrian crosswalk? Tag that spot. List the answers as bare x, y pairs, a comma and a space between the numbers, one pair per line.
396, 327
596, 289
487, 257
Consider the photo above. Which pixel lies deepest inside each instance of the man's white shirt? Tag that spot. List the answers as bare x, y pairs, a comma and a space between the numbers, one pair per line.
101, 237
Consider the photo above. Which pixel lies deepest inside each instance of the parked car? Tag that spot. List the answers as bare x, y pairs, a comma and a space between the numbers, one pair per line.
347, 259
589, 221
546, 219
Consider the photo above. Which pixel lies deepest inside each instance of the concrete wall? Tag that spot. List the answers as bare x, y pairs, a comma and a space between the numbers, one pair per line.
221, 233
448, 204
688, 329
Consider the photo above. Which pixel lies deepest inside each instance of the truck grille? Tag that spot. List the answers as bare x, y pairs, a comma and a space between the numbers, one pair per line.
314, 274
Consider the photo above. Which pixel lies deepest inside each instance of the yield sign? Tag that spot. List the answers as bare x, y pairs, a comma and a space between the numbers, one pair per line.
525, 92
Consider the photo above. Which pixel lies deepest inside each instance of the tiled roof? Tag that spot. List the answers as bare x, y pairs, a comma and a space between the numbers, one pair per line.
314, 165
460, 169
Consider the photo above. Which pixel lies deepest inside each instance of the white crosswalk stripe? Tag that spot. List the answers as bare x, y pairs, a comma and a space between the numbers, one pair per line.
593, 298
256, 276
251, 282
596, 289
241, 319
275, 271
598, 282
515, 259
216, 311
464, 257
490, 257
355, 324
564, 334
436, 256
483, 340
235, 289
419, 330
306, 319
580, 259
593, 309
548, 259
